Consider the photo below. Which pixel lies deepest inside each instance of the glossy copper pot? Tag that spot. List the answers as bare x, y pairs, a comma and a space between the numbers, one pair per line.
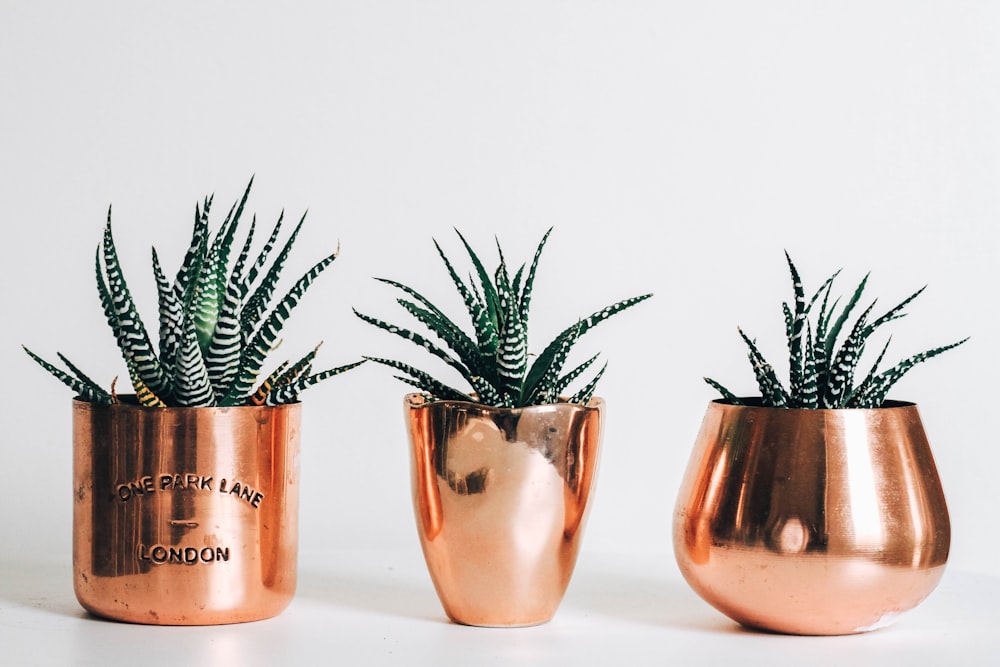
501, 497
815, 522
185, 516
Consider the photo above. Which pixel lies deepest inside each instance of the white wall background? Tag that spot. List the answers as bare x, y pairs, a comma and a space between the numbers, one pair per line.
676, 147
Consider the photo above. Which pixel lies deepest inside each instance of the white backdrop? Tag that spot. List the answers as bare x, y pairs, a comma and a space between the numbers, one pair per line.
676, 147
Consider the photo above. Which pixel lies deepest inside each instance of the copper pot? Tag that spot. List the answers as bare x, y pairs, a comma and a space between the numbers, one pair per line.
815, 522
185, 516
501, 497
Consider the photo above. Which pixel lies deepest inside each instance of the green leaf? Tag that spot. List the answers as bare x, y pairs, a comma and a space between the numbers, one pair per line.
263, 339
424, 381
490, 296
830, 340
255, 307
844, 366
193, 387
874, 396
544, 360
289, 393
483, 323
224, 352
894, 313
85, 388
187, 276
584, 395
563, 382
512, 354
547, 389
772, 393
171, 317
727, 395
130, 332
795, 323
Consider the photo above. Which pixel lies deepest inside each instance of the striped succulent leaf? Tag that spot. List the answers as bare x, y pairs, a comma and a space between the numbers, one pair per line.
822, 326
529, 281
808, 393
417, 339
490, 297
794, 329
204, 319
830, 341
544, 359
223, 354
206, 304
193, 387
821, 374
171, 318
80, 375
133, 340
894, 313
494, 359
187, 275
484, 322
767, 380
584, 395
560, 385
861, 388
547, 389
423, 381
259, 396
301, 367
224, 242
143, 395
264, 338
842, 369
84, 387
512, 355
210, 290
289, 393
256, 306
443, 327
446, 330
282, 376
261, 261
874, 395
727, 395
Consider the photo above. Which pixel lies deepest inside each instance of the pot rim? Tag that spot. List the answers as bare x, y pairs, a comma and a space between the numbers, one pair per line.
418, 401
130, 405
754, 402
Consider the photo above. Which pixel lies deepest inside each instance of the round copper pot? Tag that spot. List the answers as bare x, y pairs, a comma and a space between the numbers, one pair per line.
185, 516
501, 497
816, 522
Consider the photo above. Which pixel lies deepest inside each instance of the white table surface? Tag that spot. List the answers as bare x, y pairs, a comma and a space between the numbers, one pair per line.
379, 608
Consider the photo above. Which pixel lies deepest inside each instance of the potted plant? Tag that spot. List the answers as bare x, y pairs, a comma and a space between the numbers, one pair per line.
816, 507
502, 473
186, 493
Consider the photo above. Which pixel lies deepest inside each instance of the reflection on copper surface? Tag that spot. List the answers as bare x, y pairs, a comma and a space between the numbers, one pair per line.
501, 497
812, 521
185, 516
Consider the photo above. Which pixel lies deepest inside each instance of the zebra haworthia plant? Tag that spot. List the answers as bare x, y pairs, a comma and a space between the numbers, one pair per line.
821, 374
215, 324
494, 359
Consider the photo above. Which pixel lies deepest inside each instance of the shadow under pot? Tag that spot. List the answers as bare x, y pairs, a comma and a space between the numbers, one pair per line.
501, 497
185, 516
813, 522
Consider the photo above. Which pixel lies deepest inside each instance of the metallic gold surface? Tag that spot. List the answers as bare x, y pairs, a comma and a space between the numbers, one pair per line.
185, 516
501, 497
812, 521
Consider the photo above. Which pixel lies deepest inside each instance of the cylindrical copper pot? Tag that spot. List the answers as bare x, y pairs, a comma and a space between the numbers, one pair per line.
185, 516
501, 497
815, 522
